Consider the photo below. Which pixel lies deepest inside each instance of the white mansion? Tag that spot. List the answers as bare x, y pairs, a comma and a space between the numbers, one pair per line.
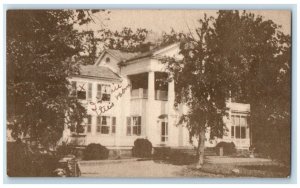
126, 99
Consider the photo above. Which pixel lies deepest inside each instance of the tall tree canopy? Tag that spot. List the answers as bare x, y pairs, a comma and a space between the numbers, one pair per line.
237, 53
42, 48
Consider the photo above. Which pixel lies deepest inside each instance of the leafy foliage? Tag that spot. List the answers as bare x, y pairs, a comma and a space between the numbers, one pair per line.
142, 148
178, 157
125, 40
228, 148
42, 48
202, 81
237, 53
95, 152
23, 161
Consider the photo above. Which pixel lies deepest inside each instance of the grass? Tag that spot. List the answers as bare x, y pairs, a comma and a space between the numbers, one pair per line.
272, 170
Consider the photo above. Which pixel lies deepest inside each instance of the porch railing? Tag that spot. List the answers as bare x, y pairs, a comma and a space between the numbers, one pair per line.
161, 95
139, 93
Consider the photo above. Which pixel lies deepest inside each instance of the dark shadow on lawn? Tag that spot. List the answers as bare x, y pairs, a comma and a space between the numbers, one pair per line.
177, 159
269, 168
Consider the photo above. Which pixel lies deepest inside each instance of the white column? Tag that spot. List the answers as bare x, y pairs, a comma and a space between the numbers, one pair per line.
150, 125
171, 115
151, 86
171, 97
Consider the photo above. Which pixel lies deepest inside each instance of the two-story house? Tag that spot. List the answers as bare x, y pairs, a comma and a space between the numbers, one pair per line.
126, 99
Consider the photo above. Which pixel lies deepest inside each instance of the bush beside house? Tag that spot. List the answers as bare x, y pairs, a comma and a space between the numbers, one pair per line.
162, 153
178, 157
142, 148
95, 152
228, 148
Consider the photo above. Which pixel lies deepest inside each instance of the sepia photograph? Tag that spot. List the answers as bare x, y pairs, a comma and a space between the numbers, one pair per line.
148, 93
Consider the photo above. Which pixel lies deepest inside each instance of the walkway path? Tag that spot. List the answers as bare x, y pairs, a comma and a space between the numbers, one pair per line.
157, 169
138, 169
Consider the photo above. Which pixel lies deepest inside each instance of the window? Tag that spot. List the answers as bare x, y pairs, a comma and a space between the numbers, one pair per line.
107, 60
239, 126
90, 89
89, 124
81, 95
105, 125
105, 92
134, 125
164, 131
81, 90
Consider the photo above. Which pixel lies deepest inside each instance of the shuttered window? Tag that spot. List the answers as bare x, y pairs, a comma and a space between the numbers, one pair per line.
134, 125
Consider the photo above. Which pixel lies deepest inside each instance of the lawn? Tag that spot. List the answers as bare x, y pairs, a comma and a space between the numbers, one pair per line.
214, 167
270, 170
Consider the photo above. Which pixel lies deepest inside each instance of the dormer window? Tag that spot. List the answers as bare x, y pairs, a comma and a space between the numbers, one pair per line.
107, 60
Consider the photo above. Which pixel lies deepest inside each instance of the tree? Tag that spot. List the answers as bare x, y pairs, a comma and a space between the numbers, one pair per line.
42, 49
235, 53
125, 40
202, 82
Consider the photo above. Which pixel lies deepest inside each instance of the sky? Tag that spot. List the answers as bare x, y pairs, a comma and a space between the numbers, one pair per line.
159, 21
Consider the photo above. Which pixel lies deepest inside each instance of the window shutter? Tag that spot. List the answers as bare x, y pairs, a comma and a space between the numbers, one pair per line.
90, 89
98, 120
139, 120
128, 121
128, 130
113, 120
89, 119
99, 91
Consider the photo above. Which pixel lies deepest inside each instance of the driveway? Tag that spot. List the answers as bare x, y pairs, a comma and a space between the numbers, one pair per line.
138, 169
214, 166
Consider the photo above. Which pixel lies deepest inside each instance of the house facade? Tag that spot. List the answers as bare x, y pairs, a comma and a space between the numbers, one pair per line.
126, 98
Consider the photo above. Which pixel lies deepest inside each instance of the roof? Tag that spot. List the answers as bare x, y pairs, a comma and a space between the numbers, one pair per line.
125, 57
98, 72
149, 53
121, 55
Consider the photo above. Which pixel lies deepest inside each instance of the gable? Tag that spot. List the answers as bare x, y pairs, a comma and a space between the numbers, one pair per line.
109, 61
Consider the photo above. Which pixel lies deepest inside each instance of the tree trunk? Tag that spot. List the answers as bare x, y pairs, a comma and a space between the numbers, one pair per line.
201, 142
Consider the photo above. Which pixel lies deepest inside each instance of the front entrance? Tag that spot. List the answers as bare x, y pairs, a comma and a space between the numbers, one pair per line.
163, 128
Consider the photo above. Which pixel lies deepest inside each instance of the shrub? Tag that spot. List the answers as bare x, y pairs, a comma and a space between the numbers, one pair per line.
181, 158
95, 152
65, 149
162, 153
142, 148
228, 148
22, 161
